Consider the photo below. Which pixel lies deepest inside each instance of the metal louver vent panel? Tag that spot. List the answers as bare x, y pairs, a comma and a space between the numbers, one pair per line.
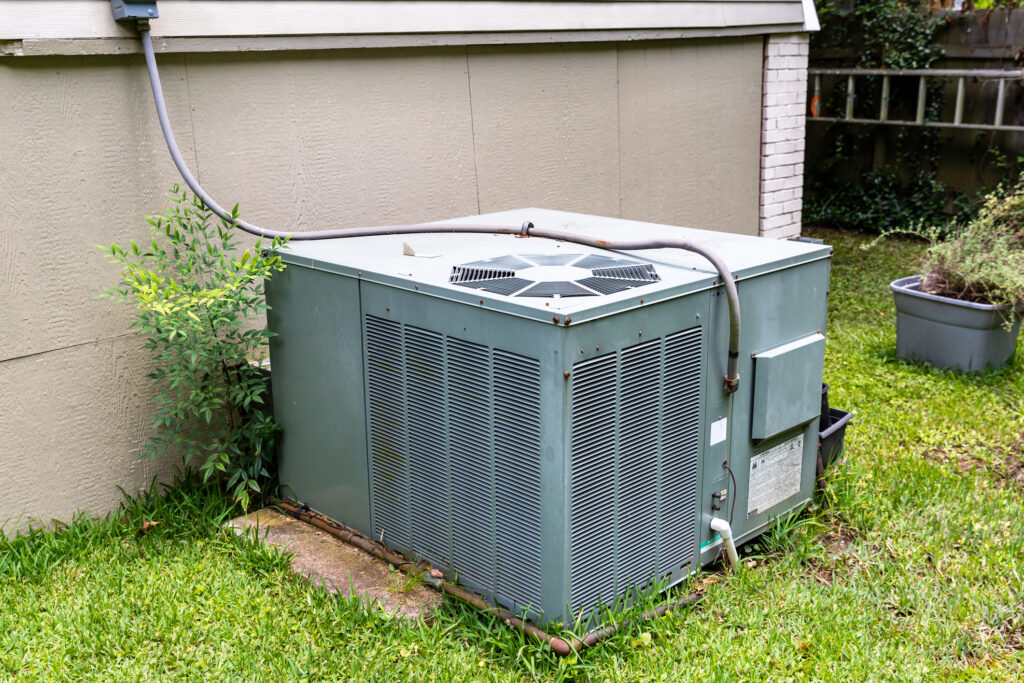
608, 285
644, 272
677, 514
505, 285
517, 476
466, 274
633, 489
425, 400
471, 462
594, 474
442, 487
389, 468
638, 461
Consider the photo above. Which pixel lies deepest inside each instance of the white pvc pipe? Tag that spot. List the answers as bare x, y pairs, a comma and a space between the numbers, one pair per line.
723, 528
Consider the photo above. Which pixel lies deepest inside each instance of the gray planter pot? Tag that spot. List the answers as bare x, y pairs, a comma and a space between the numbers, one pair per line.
949, 333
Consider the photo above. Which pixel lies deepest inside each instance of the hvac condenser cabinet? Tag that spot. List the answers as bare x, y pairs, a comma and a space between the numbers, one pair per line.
543, 421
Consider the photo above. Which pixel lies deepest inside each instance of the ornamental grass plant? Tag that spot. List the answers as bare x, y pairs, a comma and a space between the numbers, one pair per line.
982, 260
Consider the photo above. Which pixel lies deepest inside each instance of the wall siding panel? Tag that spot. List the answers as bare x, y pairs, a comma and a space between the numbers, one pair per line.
690, 122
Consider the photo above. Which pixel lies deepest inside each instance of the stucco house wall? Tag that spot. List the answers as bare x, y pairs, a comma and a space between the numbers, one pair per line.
651, 111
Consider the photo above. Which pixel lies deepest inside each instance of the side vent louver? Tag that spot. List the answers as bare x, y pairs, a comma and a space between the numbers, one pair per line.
635, 423
434, 401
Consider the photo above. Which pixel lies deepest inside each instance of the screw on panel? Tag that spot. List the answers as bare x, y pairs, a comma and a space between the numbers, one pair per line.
566, 374
555, 319
387, 308
640, 333
698, 316
567, 321
581, 350
416, 286
597, 348
641, 300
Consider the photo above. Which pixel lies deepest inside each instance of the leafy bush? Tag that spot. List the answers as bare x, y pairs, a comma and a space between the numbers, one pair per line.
196, 301
881, 202
983, 260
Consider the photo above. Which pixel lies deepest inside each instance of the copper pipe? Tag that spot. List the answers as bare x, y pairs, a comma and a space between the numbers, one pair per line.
347, 535
559, 646
595, 637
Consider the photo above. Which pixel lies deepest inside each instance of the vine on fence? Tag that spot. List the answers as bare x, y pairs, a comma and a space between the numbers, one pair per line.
893, 34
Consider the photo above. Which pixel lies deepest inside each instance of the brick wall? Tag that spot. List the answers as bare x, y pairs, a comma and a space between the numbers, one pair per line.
783, 117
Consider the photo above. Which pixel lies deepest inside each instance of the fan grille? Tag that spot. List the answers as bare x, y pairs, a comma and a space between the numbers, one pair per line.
592, 275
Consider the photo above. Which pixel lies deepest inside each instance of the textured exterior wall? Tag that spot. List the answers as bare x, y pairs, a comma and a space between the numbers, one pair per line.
664, 131
782, 134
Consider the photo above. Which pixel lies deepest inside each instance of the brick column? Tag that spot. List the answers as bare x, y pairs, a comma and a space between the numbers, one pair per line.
783, 117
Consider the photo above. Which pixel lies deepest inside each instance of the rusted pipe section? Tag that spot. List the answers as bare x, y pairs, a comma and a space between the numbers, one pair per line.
601, 634
559, 646
345, 534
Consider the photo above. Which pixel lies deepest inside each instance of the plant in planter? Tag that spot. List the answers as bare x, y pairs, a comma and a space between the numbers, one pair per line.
197, 304
964, 311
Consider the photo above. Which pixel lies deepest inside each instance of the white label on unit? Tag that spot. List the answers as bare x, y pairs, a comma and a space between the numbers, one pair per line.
775, 475
718, 430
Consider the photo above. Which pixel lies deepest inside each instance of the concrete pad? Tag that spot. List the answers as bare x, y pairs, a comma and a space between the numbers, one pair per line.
338, 567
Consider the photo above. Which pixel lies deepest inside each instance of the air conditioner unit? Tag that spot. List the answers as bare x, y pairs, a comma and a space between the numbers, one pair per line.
545, 421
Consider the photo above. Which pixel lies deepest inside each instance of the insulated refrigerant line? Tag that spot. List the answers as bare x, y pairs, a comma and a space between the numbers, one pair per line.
526, 230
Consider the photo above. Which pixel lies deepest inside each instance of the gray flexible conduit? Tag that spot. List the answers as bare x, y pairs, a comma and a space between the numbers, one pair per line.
731, 375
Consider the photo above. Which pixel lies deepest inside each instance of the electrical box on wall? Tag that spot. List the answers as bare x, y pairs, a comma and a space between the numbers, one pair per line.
131, 10
541, 420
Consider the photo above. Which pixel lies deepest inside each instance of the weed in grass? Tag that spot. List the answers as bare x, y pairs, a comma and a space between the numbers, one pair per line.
407, 581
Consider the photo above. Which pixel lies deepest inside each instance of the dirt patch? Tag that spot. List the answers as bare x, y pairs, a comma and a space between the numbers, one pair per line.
1007, 465
837, 558
986, 643
1012, 630
837, 542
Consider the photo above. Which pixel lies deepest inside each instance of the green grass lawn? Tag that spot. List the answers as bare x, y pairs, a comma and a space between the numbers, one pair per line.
915, 571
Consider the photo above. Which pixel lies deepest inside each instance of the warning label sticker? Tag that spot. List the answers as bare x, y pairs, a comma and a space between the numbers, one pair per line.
774, 475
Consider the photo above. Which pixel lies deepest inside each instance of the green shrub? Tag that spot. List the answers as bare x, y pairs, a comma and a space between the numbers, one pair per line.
196, 301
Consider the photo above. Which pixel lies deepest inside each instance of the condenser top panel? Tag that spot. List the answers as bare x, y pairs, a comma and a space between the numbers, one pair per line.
536, 277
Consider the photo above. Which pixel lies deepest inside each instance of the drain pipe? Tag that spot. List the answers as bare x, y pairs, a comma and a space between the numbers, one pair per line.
723, 528
560, 646
526, 230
